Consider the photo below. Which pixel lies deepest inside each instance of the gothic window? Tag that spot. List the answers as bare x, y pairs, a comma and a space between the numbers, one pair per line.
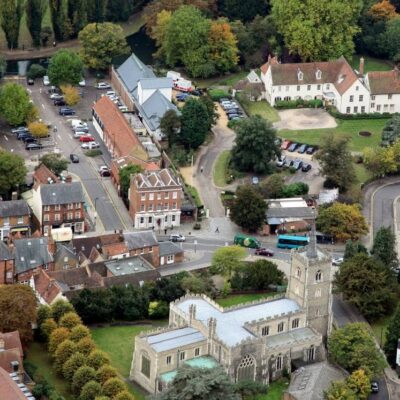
279, 363
318, 276
265, 331
295, 323
281, 326
247, 369
310, 353
298, 272
145, 366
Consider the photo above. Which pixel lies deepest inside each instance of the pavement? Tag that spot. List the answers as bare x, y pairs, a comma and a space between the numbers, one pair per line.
305, 118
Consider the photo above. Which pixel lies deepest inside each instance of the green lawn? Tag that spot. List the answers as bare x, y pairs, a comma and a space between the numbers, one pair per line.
37, 355
371, 64
275, 390
344, 128
362, 174
221, 80
261, 108
235, 299
220, 168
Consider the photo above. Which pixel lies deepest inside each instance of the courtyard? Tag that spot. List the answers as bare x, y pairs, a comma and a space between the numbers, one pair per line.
305, 118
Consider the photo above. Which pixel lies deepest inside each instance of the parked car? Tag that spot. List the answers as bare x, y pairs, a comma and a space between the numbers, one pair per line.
196, 92
123, 109
255, 180
182, 96
228, 106
233, 116
234, 110
22, 135
59, 102
30, 81
90, 145
46, 80
110, 93
264, 252
66, 111
103, 85
306, 167
74, 158
56, 96
53, 89
29, 139
20, 129
285, 144
374, 387
280, 162
81, 128
86, 138
176, 237
77, 123
223, 100
337, 261
104, 171
297, 164
293, 147
82, 83
33, 146
310, 150
302, 149
79, 134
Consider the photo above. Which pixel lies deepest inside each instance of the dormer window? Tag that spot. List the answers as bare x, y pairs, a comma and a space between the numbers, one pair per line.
318, 74
299, 75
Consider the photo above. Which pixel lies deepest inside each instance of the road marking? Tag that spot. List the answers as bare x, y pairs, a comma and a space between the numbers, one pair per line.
59, 136
5, 137
43, 106
12, 150
29, 90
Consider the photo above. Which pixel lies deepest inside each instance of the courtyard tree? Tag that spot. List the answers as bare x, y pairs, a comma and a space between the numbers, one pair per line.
317, 30
170, 125
226, 260
12, 172
65, 67
352, 248
64, 351
35, 11
71, 94
85, 345
73, 363
38, 129
82, 376
368, 284
105, 372
342, 221
56, 163
124, 395
335, 161
90, 390
384, 247
14, 103
360, 384
59, 308
70, 320
248, 208
380, 161
46, 328
383, 10
17, 310
78, 332
273, 186
255, 145
97, 358
339, 390
100, 43
125, 177
10, 16
392, 337
56, 338
113, 386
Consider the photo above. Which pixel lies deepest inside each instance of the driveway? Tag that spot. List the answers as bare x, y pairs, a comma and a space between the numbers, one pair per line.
305, 118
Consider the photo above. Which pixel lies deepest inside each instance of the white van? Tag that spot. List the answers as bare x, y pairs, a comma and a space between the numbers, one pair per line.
46, 80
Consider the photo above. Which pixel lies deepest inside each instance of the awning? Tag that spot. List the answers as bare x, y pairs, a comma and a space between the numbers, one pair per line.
329, 95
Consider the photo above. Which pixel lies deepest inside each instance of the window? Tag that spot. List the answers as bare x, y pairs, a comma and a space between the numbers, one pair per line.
46, 217
142, 251
295, 323
174, 205
279, 88
298, 272
372, 105
168, 360
158, 196
318, 276
6, 221
150, 220
46, 230
279, 363
351, 99
182, 355
318, 74
347, 110
355, 109
385, 107
287, 98
298, 88
287, 88
310, 353
77, 205
150, 207
308, 87
166, 218
77, 214
389, 97
300, 75
392, 108
378, 107
265, 331
159, 207
360, 97
142, 207
151, 196
281, 326
165, 206
57, 207
70, 215
166, 195
46, 208
145, 366
278, 98
328, 86
70, 206
174, 195
57, 217
143, 196
197, 351
150, 249
372, 97
173, 218
319, 87
318, 293
170, 259
363, 109
357, 88
142, 220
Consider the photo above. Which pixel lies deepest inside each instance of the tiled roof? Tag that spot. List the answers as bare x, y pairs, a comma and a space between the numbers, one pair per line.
119, 129
47, 287
384, 82
31, 253
127, 160
12, 340
42, 175
14, 208
72, 277
62, 193
5, 252
156, 179
8, 388
139, 240
7, 357
133, 279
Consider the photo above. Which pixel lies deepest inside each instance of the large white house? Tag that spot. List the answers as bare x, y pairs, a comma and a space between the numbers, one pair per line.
334, 82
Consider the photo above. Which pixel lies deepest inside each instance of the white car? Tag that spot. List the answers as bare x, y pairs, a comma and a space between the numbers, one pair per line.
82, 83
56, 96
123, 109
176, 237
110, 93
90, 145
46, 80
337, 261
103, 85
78, 134
77, 123
280, 162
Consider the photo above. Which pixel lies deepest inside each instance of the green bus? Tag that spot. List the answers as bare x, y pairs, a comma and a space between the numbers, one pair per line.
246, 241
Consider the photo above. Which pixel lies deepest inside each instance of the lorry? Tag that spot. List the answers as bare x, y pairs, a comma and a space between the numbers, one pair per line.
183, 85
246, 241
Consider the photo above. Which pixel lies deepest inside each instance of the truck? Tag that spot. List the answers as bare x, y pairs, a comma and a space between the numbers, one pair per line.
183, 85
246, 241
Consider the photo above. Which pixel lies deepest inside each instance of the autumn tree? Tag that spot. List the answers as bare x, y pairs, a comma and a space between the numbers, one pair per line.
64, 351
97, 359
90, 390
113, 386
59, 308
78, 332
71, 94
17, 310
81, 376
105, 372
384, 10
35, 11
46, 328
10, 16
14, 103
339, 390
38, 129
69, 320
56, 338
226, 260
381, 161
317, 29
158, 31
85, 345
73, 363
359, 382
124, 395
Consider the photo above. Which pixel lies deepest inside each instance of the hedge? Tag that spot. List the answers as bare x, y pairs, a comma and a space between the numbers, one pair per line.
336, 114
217, 94
299, 103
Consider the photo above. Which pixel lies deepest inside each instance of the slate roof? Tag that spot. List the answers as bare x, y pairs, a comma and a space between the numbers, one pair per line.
135, 279
139, 240
31, 253
384, 82
290, 212
62, 193
168, 248
156, 83
156, 179
64, 251
5, 253
126, 266
14, 208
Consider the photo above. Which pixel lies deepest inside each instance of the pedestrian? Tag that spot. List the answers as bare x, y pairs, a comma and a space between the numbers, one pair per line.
201, 169
54, 44
217, 230
165, 231
55, 129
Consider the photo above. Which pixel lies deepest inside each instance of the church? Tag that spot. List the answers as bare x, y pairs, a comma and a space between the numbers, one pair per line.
253, 341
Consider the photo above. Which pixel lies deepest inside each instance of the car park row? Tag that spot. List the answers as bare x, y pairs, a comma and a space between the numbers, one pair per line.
232, 109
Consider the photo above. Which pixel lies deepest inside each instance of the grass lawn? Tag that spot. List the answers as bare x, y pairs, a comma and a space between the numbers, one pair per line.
220, 168
362, 174
222, 80
235, 299
344, 128
371, 64
261, 108
37, 355
275, 390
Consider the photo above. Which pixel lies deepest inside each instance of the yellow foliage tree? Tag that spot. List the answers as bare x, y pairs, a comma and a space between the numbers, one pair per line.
360, 384
383, 10
71, 94
382, 160
38, 129
158, 30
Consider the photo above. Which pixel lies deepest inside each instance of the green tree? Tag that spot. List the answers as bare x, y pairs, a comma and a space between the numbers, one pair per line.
295, 189
125, 177
36, 71
384, 247
64, 351
105, 372
195, 284
100, 43
339, 390
211, 109
113, 386
43, 313
65, 67
3, 66
200, 383
368, 284
82, 376
244, 11
255, 145
46, 328
70, 320
97, 358
226, 260
343, 221
17, 310
389, 39
55, 162
124, 395
353, 347
170, 125
96, 10
12, 172
273, 186
73, 363
78, 332
195, 124
10, 15
59, 308
85, 345
77, 15
14, 103
360, 384
90, 391
120, 10
59, 19
248, 208
158, 309
56, 338
392, 336
391, 131
353, 248
35, 11
335, 161
317, 30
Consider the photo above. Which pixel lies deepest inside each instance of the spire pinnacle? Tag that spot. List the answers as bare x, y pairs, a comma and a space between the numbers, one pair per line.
312, 245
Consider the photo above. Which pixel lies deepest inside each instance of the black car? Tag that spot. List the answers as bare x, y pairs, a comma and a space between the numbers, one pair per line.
33, 146
23, 135
59, 102
306, 167
29, 139
310, 150
196, 92
30, 81
74, 158
66, 111
374, 387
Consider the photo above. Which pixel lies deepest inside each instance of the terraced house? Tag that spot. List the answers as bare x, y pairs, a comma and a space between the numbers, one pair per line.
253, 341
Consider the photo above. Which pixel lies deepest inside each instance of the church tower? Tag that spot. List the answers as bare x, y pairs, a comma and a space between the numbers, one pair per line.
310, 284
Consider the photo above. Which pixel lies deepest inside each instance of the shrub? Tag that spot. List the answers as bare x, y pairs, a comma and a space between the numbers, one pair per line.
70, 320
85, 346
158, 309
97, 359
104, 373
82, 376
90, 391
79, 332
57, 337
336, 114
38, 129
36, 71
73, 363
287, 104
93, 153
46, 328
364, 133
217, 94
59, 308
113, 386
64, 351
250, 389
124, 395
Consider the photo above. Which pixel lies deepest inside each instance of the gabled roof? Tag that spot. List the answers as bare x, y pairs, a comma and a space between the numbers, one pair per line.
156, 83
384, 82
14, 208
31, 253
12, 340
156, 179
132, 70
169, 248
62, 193
47, 287
64, 251
8, 388
43, 175
86, 244
126, 160
139, 240
5, 252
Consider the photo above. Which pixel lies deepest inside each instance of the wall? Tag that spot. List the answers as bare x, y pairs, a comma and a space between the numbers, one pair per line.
356, 90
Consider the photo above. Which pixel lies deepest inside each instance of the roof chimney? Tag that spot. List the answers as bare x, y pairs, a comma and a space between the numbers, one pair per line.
361, 68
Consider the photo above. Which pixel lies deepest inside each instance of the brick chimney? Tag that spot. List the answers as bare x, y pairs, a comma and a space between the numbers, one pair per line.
68, 179
361, 68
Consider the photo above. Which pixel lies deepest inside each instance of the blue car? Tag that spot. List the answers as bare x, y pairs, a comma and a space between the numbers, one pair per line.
182, 97
66, 111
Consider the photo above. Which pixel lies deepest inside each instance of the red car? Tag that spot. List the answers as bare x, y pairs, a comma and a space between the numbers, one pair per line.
86, 138
285, 144
264, 252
